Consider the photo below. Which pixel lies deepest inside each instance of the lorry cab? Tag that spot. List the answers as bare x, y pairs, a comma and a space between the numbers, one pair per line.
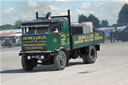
45, 35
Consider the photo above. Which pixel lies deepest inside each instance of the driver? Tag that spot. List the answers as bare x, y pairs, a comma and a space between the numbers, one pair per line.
55, 29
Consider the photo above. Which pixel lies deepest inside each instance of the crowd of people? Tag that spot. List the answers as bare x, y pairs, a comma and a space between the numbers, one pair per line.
7, 42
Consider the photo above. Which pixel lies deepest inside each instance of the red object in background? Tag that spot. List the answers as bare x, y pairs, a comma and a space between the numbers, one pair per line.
10, 41
7, 34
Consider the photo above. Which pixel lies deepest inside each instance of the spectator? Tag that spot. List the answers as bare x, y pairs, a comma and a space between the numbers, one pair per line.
10, 43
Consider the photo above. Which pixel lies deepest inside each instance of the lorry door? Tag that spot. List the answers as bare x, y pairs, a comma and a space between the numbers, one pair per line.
64, 36
60, 39
55, 37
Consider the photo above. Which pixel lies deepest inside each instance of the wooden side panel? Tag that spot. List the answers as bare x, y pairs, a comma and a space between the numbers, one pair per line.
83, 40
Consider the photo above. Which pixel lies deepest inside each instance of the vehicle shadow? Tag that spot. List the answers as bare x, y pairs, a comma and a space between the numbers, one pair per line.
75, 63
13, 71
43, 68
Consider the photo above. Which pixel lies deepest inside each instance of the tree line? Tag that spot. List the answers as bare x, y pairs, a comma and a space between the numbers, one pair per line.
92, 18
122, 18
9, 26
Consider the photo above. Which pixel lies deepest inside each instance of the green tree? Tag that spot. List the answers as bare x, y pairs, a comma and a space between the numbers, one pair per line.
104, 23
95, 20
17, 24
82, 18
90, 18
123, 15
6, 27
9, 26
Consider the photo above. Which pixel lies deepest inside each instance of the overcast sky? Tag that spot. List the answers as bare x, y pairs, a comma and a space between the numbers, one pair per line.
12, 10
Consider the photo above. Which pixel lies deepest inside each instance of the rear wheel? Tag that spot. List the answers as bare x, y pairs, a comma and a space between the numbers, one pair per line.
28, 64
90, 56
60, 60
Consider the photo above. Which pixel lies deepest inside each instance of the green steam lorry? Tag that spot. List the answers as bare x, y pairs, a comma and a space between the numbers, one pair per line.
54, 40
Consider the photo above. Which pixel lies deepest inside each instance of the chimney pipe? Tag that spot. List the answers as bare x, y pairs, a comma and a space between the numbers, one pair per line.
37, 15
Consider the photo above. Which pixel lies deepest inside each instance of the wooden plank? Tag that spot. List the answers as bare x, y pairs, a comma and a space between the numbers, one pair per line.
83, 40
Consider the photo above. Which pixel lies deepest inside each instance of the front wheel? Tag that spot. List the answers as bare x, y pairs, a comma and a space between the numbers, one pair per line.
60, 60
90, 56
27, 64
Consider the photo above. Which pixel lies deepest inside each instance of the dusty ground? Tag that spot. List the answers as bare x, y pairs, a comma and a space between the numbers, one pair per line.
111, 68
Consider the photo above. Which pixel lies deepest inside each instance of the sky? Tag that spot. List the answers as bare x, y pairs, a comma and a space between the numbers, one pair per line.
12, 10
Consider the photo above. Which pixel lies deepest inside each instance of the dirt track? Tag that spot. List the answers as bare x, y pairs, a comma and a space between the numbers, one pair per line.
111, 68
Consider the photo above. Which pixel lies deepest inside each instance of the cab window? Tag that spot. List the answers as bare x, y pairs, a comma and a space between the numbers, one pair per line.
35, 30
56, 28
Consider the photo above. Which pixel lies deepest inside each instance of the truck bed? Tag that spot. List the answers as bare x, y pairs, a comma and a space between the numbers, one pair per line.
82, 40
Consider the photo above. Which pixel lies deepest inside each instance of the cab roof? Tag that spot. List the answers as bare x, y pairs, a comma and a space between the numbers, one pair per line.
45, 21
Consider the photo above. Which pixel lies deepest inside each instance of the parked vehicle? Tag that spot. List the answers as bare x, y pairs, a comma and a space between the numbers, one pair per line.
123, 34
42, 45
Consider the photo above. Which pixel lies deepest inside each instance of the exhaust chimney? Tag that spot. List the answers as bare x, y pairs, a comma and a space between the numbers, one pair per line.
37, 15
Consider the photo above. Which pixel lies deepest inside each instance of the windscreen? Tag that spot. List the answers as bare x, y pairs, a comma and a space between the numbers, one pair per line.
38, 29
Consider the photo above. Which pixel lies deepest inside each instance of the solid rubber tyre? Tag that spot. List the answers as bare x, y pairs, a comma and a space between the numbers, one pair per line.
90, 56
26, 64
60, 60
